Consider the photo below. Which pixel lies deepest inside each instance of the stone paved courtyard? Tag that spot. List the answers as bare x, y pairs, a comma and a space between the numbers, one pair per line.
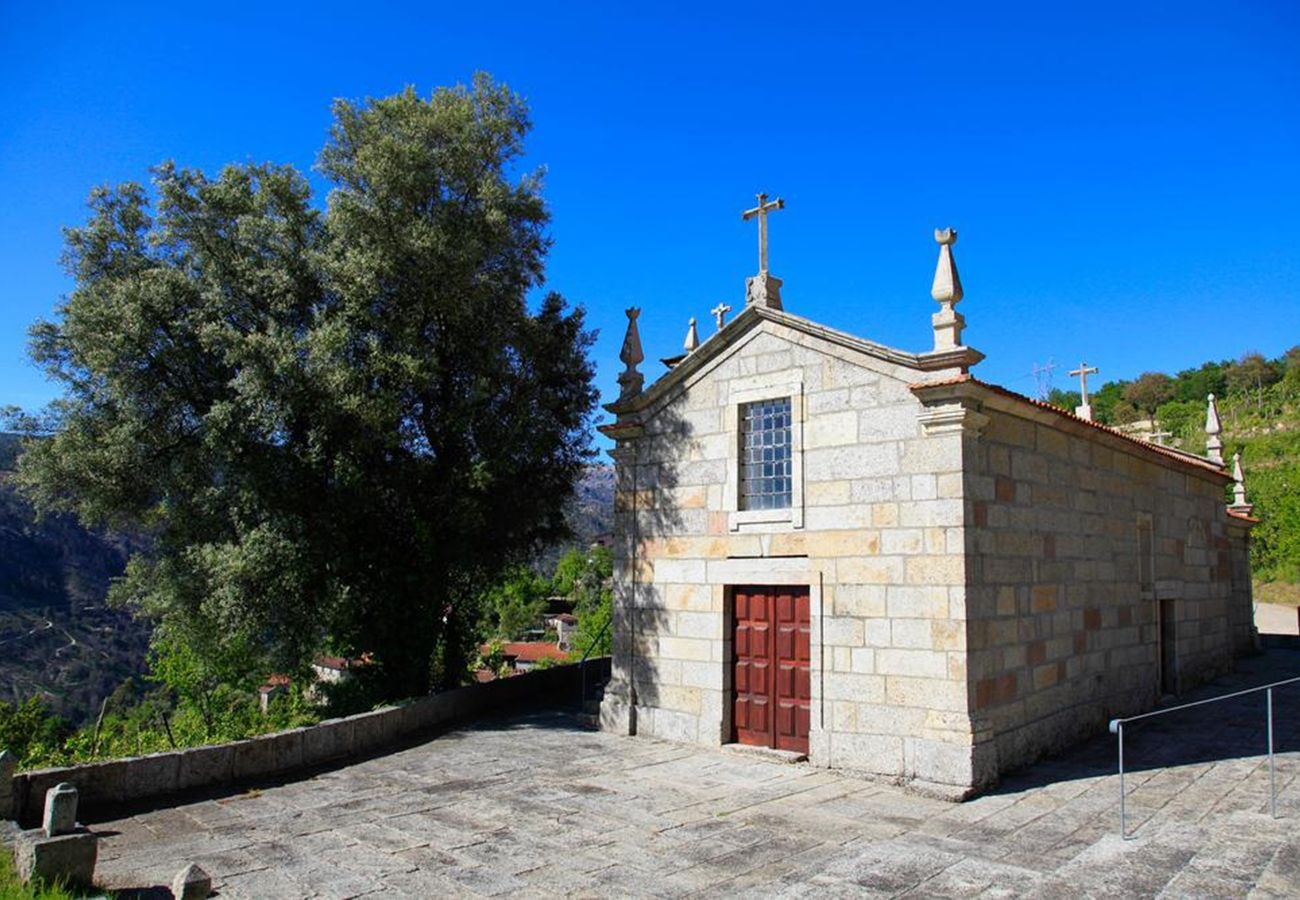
536, 806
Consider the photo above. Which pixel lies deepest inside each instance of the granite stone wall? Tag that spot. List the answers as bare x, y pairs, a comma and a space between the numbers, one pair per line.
1065, 616
876, 534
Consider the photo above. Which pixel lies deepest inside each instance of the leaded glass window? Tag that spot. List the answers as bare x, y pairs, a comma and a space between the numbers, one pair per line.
765, 470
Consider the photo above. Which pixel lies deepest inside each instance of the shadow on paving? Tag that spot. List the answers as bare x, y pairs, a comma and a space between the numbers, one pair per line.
1215, 732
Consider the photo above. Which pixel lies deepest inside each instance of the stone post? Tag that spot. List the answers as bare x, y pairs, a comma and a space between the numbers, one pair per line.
60, 810
61, 850
8, 762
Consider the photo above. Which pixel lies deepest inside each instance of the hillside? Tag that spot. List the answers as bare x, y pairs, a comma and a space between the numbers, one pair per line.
58, 639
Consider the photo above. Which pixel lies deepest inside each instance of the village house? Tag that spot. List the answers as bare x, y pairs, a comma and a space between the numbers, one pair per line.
835, 548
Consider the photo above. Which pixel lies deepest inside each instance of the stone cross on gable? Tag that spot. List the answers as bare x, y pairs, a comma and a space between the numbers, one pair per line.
1083, 372
720, 314
1158, 437
1084, 409
761, 211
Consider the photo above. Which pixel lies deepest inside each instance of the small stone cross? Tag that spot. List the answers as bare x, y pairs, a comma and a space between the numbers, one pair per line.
1083, 372
720, 314
1158, 437
761, 212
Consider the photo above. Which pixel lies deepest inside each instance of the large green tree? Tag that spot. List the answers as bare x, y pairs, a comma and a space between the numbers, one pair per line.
332, 425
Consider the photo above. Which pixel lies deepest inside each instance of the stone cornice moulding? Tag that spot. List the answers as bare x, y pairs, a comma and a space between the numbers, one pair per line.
732, 335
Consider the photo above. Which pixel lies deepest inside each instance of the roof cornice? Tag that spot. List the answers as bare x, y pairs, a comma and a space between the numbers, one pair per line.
752, 317
996, 397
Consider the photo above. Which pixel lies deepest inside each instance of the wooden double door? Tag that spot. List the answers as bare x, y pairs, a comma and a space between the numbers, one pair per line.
770, 666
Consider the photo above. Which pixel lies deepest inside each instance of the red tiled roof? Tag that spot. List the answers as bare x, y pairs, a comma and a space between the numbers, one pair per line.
1167, 452
341, 663
528, 651
275, 681
1245, 517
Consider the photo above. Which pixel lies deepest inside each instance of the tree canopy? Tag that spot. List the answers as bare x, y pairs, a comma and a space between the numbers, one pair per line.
333, 426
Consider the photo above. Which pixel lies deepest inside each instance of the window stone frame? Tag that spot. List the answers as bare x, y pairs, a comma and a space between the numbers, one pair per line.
772, 386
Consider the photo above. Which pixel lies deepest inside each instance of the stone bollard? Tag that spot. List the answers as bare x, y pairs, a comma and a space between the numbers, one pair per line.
60, 810
60, 850
191, 883
8, 762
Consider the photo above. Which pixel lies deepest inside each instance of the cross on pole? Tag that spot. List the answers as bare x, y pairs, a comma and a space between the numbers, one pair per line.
1083, 372
761, 211
720, 314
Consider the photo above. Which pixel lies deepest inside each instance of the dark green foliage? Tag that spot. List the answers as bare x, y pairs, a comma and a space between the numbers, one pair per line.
333, 427
29, 730
1066, 400
517, 603
585, 577
1184, 419
1272, 465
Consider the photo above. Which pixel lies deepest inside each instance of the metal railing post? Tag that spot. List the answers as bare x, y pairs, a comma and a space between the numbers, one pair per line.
1123, 826
1117, 728
1272, 773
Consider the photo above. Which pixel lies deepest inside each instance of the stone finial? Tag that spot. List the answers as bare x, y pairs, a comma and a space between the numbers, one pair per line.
1213, 443
1239, 503
947, 322
719, 313
60, 810
630, 380
191, 883
8, 762
692, 342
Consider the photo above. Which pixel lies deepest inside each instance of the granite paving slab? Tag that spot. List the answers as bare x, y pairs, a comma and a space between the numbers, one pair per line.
537, 806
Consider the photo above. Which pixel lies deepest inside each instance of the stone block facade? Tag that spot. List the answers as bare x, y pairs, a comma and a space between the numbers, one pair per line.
970, 557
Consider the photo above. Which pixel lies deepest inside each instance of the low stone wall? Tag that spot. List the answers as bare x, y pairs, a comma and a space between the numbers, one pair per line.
139, 778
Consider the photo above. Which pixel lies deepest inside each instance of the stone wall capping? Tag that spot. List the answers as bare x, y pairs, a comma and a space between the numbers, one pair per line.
110, 782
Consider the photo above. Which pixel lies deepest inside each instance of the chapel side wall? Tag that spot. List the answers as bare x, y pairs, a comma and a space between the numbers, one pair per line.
881, 539
1062, 635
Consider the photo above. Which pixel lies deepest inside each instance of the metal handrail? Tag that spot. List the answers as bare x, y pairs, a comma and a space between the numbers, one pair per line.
1117, 728
582, 663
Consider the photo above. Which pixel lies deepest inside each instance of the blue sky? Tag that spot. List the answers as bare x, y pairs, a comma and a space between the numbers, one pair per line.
1123, 176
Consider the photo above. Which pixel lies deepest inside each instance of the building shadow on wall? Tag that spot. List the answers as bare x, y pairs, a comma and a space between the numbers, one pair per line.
666, 450
1220, 732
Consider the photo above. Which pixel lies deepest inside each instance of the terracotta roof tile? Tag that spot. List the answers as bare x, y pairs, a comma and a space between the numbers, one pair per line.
1168, 452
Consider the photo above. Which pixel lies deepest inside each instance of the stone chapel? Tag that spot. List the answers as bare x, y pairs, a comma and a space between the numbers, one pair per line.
830, 547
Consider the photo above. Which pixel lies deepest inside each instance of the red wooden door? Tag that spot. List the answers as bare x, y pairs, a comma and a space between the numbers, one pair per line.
771, 668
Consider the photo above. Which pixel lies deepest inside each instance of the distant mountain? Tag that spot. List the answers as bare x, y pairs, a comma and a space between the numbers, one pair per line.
58, 639
591, 512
